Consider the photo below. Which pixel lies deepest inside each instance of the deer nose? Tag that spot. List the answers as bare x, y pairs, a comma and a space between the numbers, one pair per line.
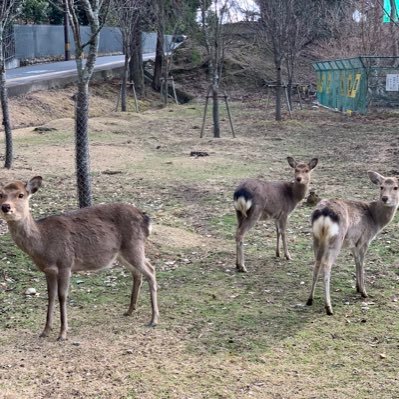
384, 198
6, 208
299, 179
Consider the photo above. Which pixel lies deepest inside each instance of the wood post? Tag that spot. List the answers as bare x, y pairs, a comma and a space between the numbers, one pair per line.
225, 97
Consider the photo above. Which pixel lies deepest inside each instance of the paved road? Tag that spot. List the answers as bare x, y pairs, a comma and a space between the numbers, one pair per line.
49, 71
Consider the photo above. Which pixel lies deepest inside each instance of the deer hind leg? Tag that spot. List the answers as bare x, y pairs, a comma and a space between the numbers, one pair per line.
316, 271
327, 296
135, 260
325, 258
326, 277
137, 282
244, 225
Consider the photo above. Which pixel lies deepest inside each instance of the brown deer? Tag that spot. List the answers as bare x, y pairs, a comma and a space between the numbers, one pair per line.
259, 200
85, 240
337, 223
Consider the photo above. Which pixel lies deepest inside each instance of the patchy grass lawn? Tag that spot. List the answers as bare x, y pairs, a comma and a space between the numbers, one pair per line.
222, 334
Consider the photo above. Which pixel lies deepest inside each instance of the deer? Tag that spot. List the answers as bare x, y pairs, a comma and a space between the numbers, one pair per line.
256, 199
353, 224
87, 239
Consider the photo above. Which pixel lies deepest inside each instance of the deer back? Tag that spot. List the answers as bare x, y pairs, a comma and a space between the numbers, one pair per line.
273, 197
86, 239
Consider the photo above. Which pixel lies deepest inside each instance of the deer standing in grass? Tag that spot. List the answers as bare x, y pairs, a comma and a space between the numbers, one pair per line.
85, 240
337, 223
259, 200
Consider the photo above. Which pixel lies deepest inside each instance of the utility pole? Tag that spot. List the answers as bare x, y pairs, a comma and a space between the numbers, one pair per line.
66, 32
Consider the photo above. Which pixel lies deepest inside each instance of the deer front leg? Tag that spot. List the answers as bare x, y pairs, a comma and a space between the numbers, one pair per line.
244, 225
239, 243
52, 287
278, 239
64, 277
358, 254
281, 229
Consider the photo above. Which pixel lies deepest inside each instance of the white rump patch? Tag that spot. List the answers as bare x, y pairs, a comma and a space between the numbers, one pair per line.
242, 205
324, 226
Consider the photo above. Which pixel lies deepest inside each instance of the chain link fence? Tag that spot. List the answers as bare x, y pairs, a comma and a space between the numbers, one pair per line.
82, 149
9, 47
356, 84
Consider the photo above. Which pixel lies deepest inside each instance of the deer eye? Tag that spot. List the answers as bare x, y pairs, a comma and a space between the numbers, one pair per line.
1, 196
20, 195
395, 188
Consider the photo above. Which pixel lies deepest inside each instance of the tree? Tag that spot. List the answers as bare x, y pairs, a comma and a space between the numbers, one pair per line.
158, 10
212, 19
8, 12
35, 11
95, 11
285, 25
128, 14
136, 68
362, 23
168, 16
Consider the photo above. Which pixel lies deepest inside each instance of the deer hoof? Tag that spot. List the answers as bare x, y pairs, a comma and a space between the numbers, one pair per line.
241, 269
128, 313
44, 334
309, 302
364, 294
288, 257
329, 310
61, 338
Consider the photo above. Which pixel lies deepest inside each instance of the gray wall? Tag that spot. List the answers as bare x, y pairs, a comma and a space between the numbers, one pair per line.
41, 41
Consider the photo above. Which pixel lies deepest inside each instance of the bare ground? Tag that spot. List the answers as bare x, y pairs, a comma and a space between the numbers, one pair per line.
222, 334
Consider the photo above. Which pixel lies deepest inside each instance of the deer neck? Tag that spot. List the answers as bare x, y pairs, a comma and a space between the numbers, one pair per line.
381, 214
299, 191
26, 234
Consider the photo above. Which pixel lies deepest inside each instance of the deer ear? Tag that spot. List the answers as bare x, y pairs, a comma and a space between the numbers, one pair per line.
292, 162
375, 177
34, 184
313, 163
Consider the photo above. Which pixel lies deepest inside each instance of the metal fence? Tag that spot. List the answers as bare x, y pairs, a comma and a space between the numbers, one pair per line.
9, 46
355, 84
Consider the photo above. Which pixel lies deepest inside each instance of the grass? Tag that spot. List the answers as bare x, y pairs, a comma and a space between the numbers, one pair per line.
222, 334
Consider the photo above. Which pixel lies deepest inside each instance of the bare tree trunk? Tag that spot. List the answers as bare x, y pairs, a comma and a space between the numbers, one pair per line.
278, 91
215, 111
82, 145
159, 60
124, 84
92, 11
6, 114
136, 63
